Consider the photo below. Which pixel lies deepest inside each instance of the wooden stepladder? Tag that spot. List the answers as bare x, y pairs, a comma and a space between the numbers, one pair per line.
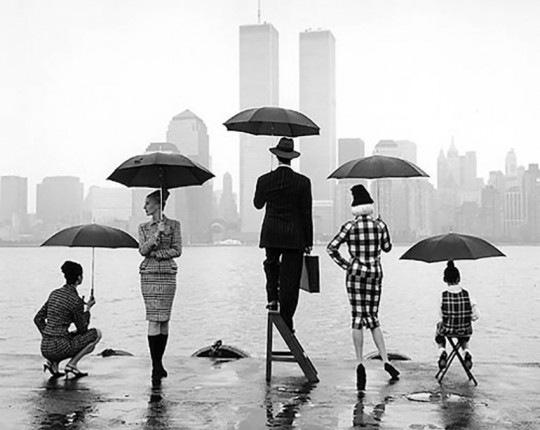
295, 354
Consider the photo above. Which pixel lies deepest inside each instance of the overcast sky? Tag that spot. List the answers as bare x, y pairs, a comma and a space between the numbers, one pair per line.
84, 85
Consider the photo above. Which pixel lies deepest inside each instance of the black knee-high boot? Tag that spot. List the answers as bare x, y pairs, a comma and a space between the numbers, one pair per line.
153, 343
162, 344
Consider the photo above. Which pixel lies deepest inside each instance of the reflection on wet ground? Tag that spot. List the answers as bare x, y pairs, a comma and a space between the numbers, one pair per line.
368, 420
157, 413
62, 403
201, 394
283, 402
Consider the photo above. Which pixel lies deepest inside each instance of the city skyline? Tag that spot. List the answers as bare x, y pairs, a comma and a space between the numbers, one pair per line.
517, 164
85, 88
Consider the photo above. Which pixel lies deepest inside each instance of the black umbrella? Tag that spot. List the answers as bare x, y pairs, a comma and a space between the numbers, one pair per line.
451, 246
92, 236
161, 170
377, 167
272, 121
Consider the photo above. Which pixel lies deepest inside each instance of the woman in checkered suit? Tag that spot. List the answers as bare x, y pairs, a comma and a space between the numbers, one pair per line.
62, 308
365, 237
160, 241
457, 311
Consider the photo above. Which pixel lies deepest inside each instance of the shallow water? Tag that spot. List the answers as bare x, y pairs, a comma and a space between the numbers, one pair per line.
220, 295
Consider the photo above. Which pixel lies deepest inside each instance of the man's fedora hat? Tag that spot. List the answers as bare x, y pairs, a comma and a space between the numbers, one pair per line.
285, 149
360, 195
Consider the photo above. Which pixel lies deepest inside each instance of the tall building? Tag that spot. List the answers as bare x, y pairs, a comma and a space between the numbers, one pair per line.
259, 86
457, 185
13, 199
193, 205
60, 200
406, 204
531, 194
318, 101
110, 206
348, 149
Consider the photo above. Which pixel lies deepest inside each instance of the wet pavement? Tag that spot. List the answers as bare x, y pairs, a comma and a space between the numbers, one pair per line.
202, 394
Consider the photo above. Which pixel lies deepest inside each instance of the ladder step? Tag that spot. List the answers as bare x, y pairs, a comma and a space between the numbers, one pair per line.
296, 353
285, 359
282, 353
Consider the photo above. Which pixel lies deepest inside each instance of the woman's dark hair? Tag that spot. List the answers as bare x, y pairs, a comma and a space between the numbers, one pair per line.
154, 195
451, 273
71, 271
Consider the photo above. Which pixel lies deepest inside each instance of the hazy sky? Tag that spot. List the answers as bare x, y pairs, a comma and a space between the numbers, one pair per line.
86, 84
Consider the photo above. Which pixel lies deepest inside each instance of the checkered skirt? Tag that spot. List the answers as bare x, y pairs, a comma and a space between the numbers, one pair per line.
158, 291
364, 296
58, 348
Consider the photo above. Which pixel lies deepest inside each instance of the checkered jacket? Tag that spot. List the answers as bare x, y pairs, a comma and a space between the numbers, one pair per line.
159, 253
63, 307
365, 238
456, 313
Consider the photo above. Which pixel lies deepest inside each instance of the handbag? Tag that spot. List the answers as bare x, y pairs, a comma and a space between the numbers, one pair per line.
309, 281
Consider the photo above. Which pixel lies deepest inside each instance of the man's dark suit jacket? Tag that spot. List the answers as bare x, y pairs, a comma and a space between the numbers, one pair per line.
287, 222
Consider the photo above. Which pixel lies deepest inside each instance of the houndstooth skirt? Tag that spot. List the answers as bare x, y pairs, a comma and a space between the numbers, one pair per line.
158, 291
58, 348
364, 297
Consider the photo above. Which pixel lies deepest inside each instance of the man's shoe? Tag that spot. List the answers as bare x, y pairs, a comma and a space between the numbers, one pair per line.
442, 360
361, 377
272, 306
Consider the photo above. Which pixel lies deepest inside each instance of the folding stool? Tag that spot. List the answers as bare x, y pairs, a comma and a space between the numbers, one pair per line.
455, 341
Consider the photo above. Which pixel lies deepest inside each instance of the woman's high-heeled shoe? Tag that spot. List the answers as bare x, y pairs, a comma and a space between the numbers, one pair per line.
74, 371
54, 372
392, 371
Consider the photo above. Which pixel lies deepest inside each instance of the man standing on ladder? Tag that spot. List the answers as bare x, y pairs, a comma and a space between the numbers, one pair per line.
287, 229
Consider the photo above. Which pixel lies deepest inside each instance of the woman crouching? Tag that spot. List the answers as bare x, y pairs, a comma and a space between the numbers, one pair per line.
62, 308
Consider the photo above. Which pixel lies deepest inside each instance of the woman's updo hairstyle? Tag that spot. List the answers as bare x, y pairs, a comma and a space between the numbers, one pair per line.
451, 273
71, 271
154, 195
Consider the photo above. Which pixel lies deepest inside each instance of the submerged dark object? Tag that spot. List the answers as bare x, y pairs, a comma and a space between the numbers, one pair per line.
110, 352
219, 350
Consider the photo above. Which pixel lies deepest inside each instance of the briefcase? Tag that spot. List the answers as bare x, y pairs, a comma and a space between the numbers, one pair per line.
310, 274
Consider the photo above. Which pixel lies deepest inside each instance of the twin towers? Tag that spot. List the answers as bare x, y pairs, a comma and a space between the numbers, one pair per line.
259, 86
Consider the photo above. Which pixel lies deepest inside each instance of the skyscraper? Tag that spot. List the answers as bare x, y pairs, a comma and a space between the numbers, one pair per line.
110, 206
348, 149
318, 101
60, 200
13, 199
259, 86
405, 204
193, 205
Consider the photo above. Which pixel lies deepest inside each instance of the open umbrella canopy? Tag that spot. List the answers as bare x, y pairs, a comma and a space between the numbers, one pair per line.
377, 167
160, 170
92, 236
451, 246
272, 121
